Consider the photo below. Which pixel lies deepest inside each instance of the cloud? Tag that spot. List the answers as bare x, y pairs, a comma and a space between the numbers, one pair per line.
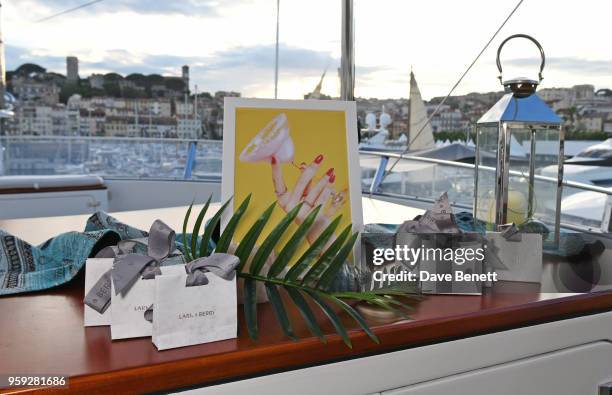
16, 56
262, 56
230, 63
249, 70
166, 7
568, 64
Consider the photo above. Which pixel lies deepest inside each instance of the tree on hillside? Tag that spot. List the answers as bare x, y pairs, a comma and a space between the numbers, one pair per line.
28, 68
138, 79
131, 93
154, 79
604, 92
112, 89
204, 95
70, 89
112, 77
174, 83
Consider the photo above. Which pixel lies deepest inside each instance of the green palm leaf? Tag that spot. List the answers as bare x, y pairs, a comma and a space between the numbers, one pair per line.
210, 227
185, 222
312, 252
306, 313
396, 292
387, 306
377, 292
279, 310
327, 278
230, 228
394, 301
268, 244
250, 307
248, 242
196, 228
356, 316
333, 317
321, 264
284, 257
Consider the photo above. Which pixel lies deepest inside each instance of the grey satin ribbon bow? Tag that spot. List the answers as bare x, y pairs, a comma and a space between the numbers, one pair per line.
128, 265
509, 231
220, 264
438, 219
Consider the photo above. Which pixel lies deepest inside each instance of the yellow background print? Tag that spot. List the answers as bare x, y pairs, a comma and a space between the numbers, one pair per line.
313, 132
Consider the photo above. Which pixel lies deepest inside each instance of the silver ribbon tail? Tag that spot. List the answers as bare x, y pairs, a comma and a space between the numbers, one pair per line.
128, 265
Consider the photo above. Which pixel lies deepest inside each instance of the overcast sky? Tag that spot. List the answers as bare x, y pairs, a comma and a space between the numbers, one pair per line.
229, 44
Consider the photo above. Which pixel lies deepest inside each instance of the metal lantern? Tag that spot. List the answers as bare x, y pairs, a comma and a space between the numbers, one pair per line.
515, 140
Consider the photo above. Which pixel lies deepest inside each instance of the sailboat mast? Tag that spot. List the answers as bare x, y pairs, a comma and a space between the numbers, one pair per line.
2, 65
276, 50
347, 61
2, 81
409, 131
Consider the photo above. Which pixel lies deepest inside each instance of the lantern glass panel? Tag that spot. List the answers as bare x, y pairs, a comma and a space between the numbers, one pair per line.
547, 164
535, 199
487, 158
518, 183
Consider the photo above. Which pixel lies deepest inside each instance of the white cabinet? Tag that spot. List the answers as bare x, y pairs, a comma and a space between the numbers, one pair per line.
46, 204
568, 357
573, 371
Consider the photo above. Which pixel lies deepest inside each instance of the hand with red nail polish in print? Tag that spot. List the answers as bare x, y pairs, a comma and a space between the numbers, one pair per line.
274, 144
312, 191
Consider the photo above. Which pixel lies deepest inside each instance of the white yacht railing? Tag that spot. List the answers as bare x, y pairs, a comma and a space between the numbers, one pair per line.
419, 181
415, 180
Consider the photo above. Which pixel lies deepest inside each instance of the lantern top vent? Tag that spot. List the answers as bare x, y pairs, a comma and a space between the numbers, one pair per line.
520, 109
521, 87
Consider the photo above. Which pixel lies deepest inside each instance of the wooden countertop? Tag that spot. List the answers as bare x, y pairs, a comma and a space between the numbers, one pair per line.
43, 333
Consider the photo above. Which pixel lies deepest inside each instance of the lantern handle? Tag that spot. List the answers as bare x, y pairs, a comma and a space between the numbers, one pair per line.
533, 40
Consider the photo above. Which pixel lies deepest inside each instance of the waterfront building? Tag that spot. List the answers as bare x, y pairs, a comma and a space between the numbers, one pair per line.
591, 123
35, 88
188, 127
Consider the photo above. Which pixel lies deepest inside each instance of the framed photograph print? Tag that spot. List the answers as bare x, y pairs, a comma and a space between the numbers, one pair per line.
291, 152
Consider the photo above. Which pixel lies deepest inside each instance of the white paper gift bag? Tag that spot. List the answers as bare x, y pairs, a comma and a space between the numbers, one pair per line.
435, 262
515, 258
133, 283
95, 268
196, 307
128, 310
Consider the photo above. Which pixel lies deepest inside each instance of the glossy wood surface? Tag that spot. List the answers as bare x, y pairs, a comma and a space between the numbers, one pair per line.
43, 333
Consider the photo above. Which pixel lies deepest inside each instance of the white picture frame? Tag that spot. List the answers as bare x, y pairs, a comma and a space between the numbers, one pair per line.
231, 104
